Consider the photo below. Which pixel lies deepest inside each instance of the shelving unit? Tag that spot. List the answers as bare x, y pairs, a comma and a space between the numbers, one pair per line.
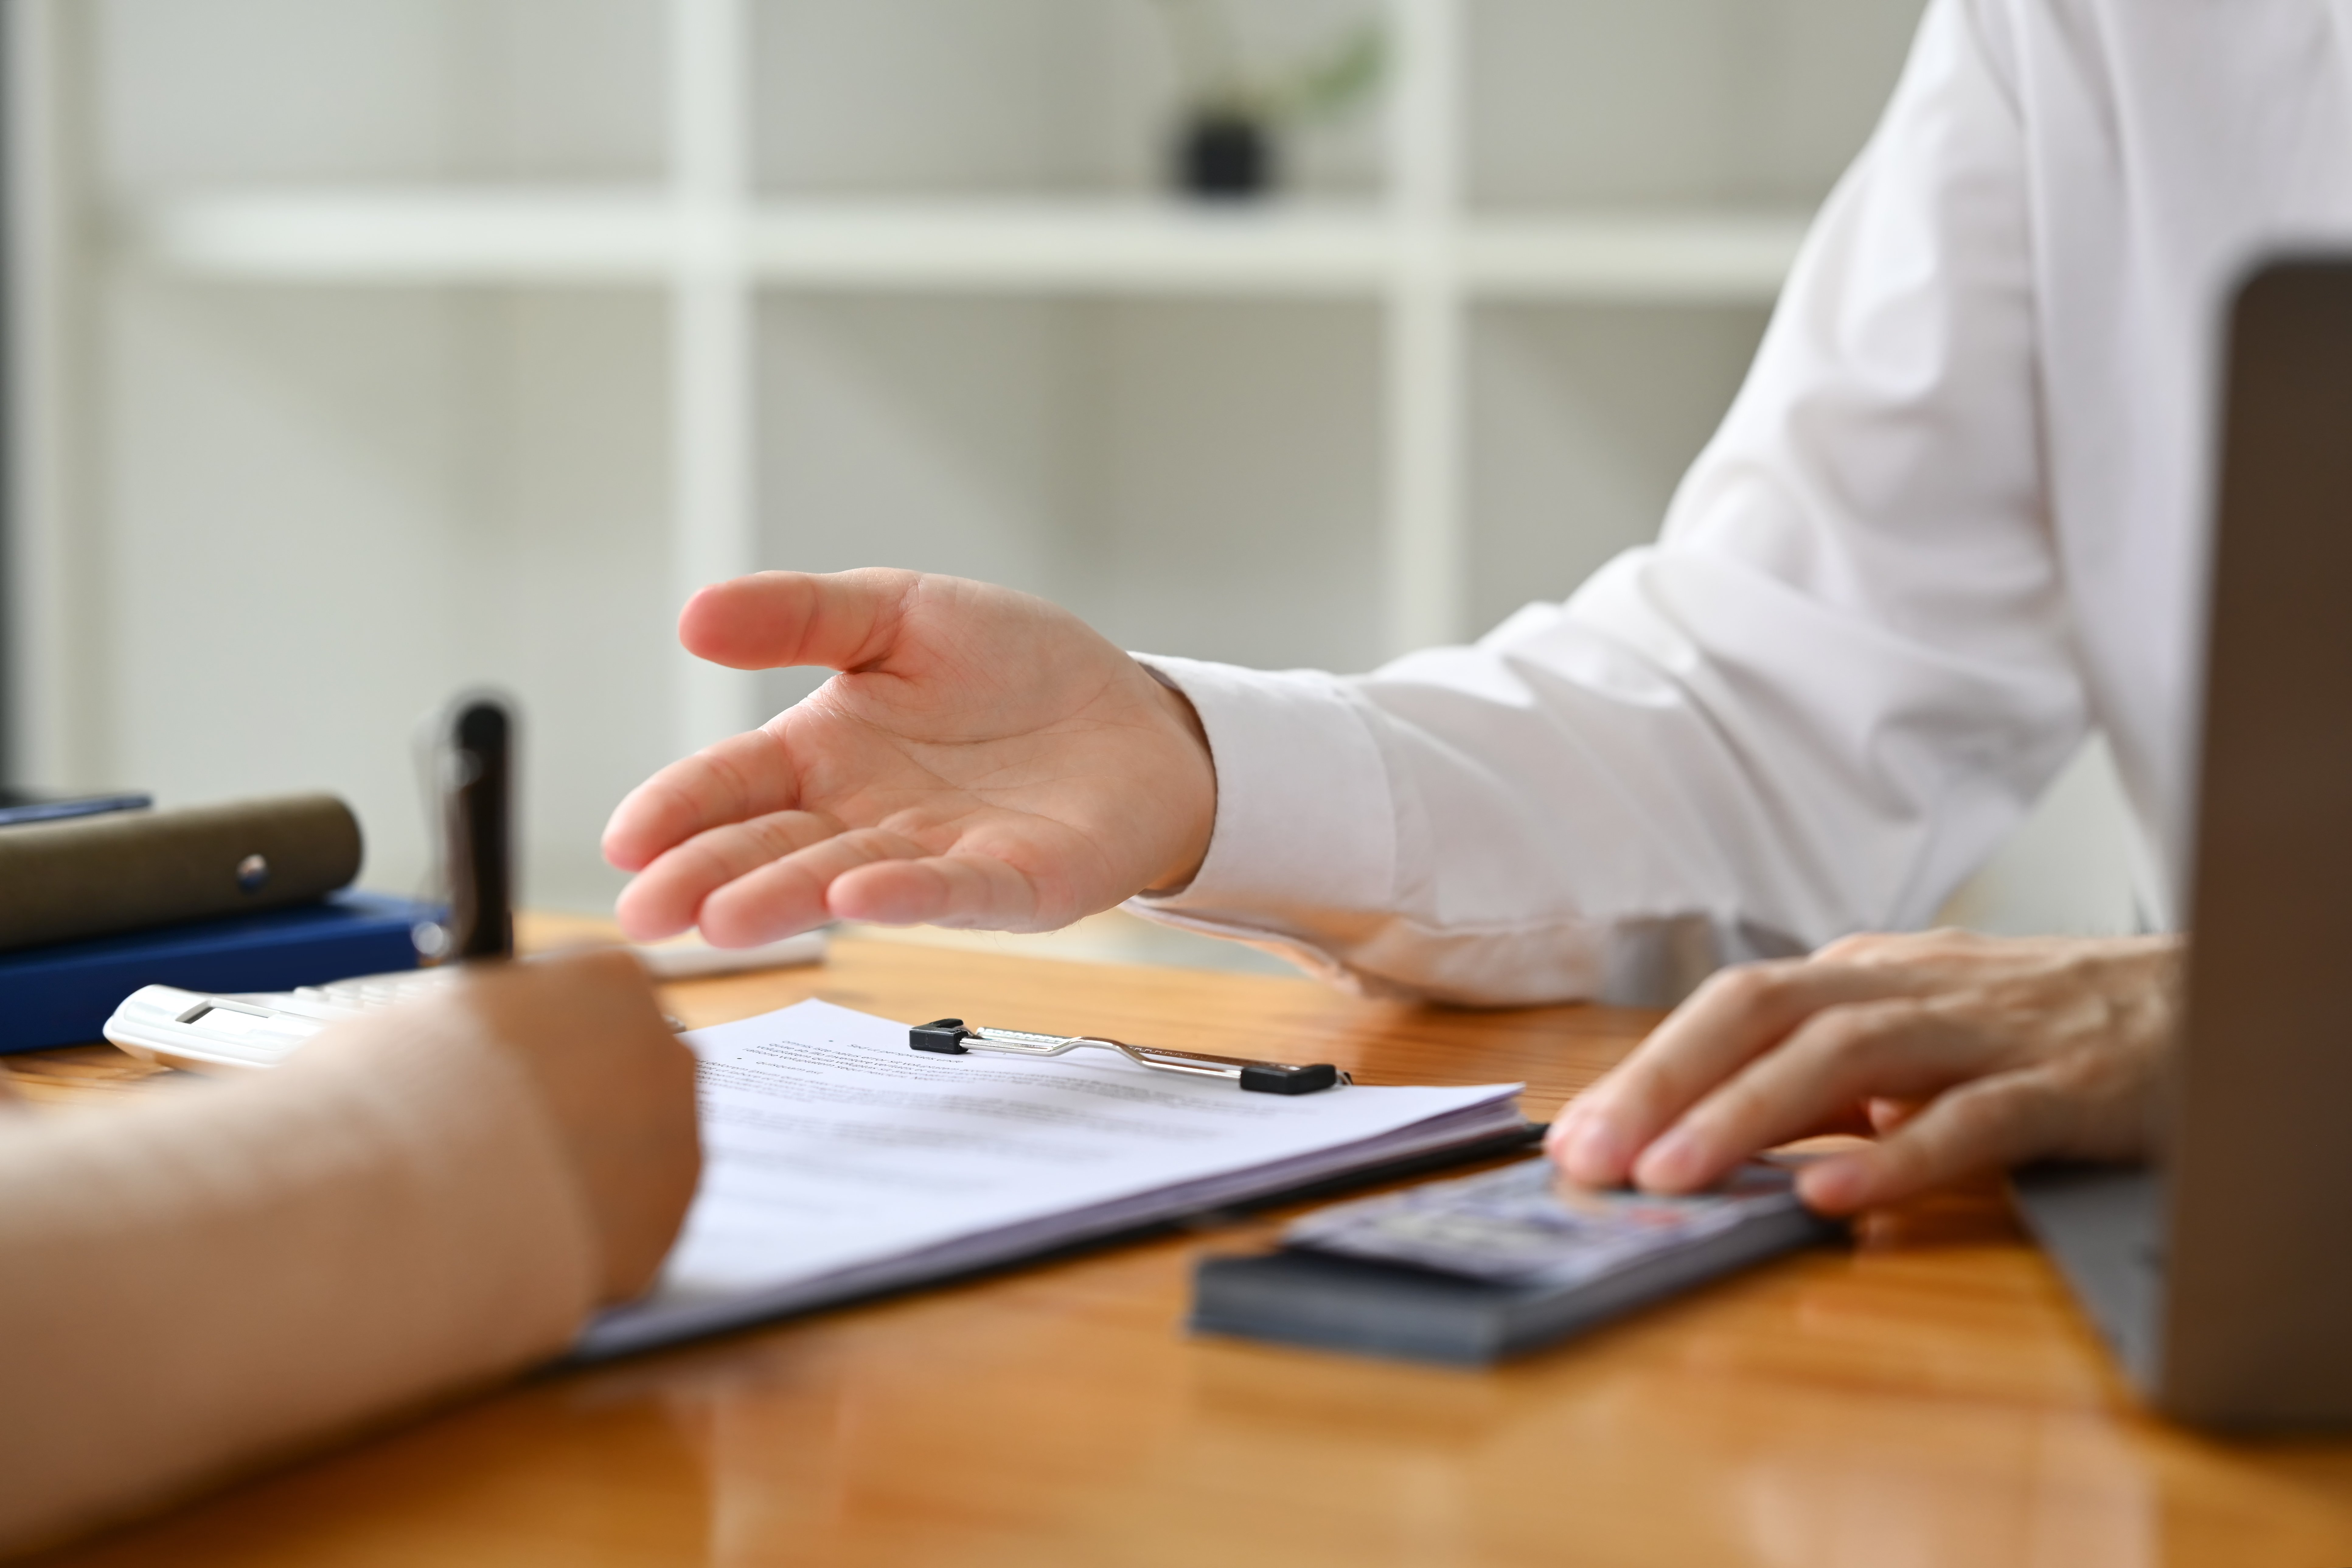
710, 239
411, 238
833, 281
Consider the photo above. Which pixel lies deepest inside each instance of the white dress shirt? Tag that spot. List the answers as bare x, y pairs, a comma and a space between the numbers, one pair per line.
1954, 521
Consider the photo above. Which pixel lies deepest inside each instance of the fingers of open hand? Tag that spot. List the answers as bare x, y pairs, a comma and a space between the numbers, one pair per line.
675, 891
842, 620
1945, 943
1896, 1048
746, 775
788, 893
1737, 1015
1977, 1126
866, 873
938, 890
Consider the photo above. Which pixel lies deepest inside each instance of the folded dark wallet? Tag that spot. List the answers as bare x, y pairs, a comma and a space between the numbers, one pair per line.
130, 870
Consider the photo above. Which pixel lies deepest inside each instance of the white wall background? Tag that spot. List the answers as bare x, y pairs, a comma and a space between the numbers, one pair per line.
305, 514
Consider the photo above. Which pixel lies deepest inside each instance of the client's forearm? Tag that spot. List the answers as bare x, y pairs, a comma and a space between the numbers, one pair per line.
192, 1284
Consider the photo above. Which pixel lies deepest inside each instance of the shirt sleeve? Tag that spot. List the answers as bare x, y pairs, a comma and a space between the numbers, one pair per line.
197, 1283
1841, 675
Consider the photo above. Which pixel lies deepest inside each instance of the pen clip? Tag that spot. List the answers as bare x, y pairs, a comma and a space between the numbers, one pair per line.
950, 1036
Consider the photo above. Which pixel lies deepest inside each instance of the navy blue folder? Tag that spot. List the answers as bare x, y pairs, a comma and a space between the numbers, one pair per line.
17, 806
62, 994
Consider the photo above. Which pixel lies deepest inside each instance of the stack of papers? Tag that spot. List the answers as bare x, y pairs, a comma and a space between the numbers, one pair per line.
837, 1161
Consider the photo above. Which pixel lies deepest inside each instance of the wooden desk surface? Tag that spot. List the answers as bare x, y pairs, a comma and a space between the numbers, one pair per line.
1928, 1397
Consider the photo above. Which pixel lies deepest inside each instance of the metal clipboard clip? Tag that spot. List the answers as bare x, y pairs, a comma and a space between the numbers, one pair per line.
948, 1036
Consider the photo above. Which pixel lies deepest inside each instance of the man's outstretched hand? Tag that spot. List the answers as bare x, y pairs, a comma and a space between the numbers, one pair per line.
983, 759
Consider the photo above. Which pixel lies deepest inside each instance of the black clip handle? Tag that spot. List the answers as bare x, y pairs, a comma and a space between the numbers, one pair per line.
945, 1036
1273, 1077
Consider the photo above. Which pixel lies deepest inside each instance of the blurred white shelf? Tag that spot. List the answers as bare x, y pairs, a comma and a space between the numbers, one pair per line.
491, 234
1729, 257
506, 236
1105, 245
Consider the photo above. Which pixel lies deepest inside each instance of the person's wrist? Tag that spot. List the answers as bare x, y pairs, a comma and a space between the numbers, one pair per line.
1196, 805
617, 1089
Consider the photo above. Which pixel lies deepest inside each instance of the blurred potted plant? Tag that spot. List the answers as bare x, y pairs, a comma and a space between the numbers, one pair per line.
1227, 138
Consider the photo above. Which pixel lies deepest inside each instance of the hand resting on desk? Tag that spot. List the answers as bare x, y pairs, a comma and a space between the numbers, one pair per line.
1966, 1054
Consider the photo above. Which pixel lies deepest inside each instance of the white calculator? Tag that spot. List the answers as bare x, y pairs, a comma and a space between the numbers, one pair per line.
190, 1029
226, 1034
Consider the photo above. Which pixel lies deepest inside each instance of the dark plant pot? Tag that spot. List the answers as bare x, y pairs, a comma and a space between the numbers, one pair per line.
1224, 156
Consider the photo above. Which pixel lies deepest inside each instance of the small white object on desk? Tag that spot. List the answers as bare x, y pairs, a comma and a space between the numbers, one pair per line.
691, 958
203, 1033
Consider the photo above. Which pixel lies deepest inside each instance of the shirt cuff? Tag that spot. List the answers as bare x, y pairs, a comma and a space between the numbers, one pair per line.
1305, 817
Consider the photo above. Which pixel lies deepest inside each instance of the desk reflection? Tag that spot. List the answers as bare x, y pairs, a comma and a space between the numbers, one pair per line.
1927, 1398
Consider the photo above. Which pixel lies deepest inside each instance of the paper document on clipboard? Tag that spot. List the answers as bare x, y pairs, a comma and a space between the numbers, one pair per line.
838, 1163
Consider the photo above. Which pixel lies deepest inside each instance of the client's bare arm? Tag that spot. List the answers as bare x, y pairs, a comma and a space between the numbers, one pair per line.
1967, 1054
421, 1201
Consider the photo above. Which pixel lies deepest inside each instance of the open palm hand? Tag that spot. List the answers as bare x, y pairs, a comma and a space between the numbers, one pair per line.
982, 759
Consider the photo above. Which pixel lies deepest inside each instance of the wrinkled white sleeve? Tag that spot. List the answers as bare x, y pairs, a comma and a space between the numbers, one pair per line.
1841, 674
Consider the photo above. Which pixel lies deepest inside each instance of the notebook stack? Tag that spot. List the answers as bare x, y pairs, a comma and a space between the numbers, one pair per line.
252, 896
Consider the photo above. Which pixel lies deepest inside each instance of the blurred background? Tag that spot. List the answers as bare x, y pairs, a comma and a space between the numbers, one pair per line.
362, 350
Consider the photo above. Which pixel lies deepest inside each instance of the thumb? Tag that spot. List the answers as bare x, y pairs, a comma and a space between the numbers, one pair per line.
770, 620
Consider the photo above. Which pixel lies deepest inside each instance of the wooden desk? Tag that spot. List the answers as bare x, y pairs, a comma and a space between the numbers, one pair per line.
1927, 1398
